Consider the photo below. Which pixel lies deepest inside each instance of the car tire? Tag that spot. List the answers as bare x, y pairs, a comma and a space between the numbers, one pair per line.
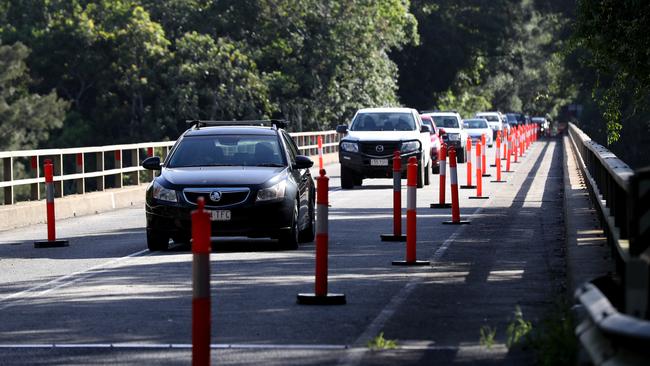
421, 173
435, 169
289, 239
308, 234
460, 155
347, 178
358, 181
427, 174
157, 241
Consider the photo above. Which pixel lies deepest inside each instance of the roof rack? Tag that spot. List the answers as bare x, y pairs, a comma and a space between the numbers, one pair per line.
276, 123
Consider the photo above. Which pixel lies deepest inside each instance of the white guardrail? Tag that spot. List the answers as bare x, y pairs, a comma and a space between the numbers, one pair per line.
93, 169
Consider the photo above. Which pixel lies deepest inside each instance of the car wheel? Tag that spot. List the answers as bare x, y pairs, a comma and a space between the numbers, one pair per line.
157, 241
436, 168
427, 174
421, 173
308, 234
289, 239
460, 155
347, 178
358, 181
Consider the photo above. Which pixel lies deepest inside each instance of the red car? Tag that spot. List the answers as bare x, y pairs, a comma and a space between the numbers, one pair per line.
435, 141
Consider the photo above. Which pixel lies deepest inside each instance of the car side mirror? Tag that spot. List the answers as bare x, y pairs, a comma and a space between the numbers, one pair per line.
302, 162
342, 129
152, 163
425, 128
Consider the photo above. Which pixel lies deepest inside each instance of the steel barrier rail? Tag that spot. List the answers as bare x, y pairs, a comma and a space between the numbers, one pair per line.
607, 336
621, 197
90, 169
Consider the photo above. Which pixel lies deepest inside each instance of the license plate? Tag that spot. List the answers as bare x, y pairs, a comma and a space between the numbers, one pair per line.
379, 162
220, 215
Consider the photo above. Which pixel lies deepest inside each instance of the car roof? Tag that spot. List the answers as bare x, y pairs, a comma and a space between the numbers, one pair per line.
230, 130
441, 114
386, 110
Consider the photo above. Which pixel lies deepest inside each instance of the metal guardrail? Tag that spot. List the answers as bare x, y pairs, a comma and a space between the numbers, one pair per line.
91, 169
622, 199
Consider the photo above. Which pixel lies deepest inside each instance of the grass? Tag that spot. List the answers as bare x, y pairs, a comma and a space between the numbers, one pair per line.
380, 343
487, 336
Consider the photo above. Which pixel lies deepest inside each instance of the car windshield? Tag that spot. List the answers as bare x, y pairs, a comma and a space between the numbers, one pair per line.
446, 121
512, 118
227, 150
490, 117
475, 123
383, 121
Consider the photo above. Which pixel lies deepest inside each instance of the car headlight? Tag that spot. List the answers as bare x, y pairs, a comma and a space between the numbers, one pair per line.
163, 194
275, 192
350, 147
453, 136
410, 146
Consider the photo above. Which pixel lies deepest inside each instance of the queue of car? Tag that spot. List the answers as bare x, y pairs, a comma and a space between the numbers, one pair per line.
254, 182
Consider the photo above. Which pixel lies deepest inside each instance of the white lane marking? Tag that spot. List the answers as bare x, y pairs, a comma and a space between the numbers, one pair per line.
176, 345
235, 346
353, 358
62, 281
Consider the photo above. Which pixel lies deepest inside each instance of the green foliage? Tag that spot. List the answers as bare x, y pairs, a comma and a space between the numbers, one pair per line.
616, 39
487, 336
26, 119
380, 343
554, 340
518, 330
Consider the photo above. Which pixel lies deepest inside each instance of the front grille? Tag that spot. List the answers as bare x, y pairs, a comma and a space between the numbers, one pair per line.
228, 196
370, 148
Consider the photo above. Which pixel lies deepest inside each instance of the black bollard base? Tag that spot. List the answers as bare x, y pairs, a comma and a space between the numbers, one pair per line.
313, 299
440, 205
479, 198
461, 222
508, 171
392, 237
486, 175
498, 181
493, 165
413, 263
51, 243
467, 187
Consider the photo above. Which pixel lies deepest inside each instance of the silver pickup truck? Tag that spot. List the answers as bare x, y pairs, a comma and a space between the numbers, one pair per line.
366, 150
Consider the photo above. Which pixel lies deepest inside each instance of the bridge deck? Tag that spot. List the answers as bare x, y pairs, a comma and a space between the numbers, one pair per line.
104, 290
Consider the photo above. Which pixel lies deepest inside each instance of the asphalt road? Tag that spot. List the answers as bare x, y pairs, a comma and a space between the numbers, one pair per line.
106, 299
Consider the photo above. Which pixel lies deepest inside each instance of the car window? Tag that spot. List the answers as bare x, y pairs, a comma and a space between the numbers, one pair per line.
291, 146
227, 150
383, 121
474, 123
446, 121
490, 117
427, 122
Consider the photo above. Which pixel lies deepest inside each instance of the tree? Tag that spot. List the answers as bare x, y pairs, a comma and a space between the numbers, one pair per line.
26, 119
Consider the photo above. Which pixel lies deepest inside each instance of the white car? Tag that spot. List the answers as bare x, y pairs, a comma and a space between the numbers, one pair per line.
477, 127
366, 150
494, 119
450, 126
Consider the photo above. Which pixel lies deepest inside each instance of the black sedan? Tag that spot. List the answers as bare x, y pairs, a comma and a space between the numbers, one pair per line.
252, 178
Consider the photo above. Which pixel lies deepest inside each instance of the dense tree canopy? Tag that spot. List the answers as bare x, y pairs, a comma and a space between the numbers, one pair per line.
111, 71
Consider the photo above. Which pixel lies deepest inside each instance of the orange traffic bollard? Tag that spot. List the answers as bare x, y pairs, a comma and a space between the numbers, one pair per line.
201, 317
483, 157
320, 295
411, 216
442, 158
479, 176
455, 205
508, 145
397, 201
497, 149
498, 162
51, 241
468, 147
